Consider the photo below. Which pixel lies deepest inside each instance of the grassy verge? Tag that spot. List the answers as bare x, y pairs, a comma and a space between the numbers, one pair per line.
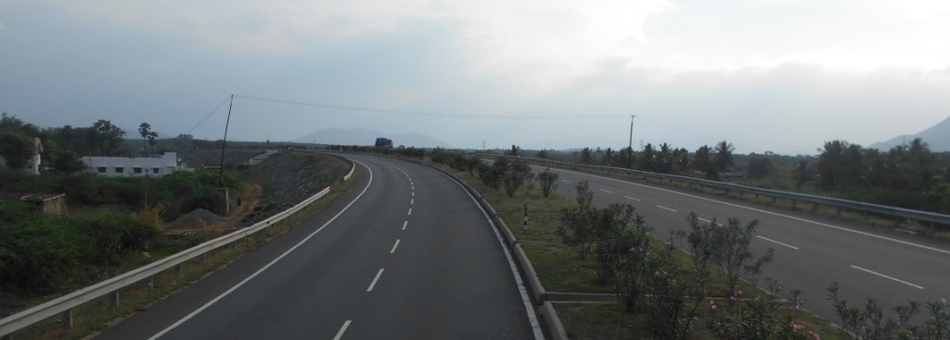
98, 315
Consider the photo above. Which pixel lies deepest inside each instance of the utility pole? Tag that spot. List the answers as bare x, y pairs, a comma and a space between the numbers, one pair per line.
630, 143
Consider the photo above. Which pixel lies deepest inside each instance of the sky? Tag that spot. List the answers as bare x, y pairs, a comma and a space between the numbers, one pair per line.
765, 75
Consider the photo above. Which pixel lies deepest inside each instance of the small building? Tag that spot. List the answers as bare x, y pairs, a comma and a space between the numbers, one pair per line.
155, 166
51, 204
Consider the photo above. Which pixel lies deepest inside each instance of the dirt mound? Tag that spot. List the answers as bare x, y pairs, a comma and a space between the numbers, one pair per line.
198, 219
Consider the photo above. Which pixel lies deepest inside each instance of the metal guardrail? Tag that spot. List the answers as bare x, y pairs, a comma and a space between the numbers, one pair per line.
909, 214
66, 303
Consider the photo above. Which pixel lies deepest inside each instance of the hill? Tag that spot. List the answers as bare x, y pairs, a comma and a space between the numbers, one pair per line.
937, 136
368, 137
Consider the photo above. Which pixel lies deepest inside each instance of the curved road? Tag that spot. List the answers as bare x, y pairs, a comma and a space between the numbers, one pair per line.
811, 251
406, 253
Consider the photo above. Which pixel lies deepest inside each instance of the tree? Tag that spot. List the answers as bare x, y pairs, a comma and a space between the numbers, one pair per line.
587, 156
106, 137
16, 148
759, 166
543, 154
152, 140
145, 129
801, 175
703, 162
608, 158
839, 165
548, 181
515, 151
723, 158
647, 161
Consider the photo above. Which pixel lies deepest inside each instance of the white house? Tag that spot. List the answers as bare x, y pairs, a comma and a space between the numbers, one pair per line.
156, 166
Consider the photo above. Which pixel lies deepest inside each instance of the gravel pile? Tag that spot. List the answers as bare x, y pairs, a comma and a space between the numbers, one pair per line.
289, 178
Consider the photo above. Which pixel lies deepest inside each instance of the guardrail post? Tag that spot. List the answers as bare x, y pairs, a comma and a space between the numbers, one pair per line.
180, 269
794, 204
68, 319
150, 283
814, 207
204, 258
115, 298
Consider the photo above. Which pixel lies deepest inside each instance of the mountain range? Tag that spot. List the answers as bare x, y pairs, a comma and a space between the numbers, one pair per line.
937, 136
368, 137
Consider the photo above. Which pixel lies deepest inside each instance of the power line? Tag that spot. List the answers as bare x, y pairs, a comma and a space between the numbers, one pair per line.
208, 115
421, 113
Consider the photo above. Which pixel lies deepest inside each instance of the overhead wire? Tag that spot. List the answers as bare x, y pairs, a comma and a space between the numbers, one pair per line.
429, 114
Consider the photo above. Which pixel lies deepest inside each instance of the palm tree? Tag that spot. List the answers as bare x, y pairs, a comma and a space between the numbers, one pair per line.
145, 129
723, 157
702, 162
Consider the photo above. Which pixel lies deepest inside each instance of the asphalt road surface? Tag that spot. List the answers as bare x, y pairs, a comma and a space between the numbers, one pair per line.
406, 253
811, 251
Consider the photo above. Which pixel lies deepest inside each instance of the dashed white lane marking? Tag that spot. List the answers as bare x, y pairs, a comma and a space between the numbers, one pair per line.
394, 247
777, 242
412, 201
404, 225
708, 221
371, 285
413, 194
631, 198
606, 191
665, 208
271, 263
410, 211
887, 277
339, 335
832, 226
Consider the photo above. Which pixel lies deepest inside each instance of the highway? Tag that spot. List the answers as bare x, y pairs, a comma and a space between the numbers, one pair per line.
811, 251
406, 253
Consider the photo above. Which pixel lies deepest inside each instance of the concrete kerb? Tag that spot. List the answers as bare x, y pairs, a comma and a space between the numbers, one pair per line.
530, 276
549, 315
510, 239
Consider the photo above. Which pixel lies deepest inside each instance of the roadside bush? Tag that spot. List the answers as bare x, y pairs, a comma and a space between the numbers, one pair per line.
38, 256
869, 322
42, 254
548, 181
114, 234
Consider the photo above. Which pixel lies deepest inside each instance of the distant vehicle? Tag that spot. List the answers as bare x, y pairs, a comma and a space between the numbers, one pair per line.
383, 142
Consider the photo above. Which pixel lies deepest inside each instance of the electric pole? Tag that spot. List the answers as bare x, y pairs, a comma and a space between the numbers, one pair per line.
630, 143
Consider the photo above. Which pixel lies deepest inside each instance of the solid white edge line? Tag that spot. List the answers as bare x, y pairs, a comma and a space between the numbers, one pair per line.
703, 219
777, 242
339, 335
394, 247
606, 191
887, 277
771, 213
665, 208
259, 271
631, 198
373, 284
529, 309
404, 225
